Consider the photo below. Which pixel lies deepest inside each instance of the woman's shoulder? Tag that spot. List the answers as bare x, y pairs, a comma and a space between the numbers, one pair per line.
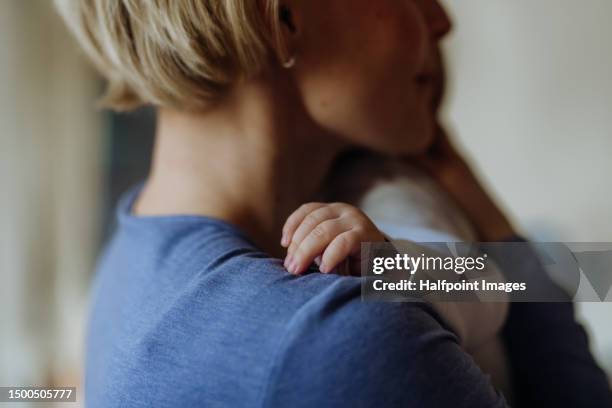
360, 353
201, 284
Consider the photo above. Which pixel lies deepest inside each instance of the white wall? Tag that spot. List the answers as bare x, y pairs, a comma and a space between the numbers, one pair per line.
530, 98
50, 177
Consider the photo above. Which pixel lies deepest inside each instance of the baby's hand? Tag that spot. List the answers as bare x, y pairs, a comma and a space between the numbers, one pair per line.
333, 232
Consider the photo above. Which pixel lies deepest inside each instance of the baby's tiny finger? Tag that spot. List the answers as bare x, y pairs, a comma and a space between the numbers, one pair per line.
314, 244
311, 221
295, 219
343, 246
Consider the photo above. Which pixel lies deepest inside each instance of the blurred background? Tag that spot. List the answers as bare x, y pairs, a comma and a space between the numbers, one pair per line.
529, 100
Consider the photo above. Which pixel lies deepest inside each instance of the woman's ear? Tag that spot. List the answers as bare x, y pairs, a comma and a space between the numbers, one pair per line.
287, 32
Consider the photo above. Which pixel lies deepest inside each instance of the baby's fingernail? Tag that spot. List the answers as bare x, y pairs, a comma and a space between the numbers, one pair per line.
284, 242
294, 267
286, 261
323, 268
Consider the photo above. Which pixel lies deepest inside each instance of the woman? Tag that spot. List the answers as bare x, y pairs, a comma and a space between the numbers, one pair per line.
256, 100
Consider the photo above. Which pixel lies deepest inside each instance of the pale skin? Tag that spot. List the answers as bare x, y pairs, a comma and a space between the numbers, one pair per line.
333, 231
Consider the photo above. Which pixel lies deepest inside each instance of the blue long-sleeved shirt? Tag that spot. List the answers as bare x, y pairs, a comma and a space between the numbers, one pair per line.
187, 312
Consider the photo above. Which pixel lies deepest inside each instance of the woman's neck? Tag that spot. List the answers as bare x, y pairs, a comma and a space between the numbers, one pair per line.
238, 163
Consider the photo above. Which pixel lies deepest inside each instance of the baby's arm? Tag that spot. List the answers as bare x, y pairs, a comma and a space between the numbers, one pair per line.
328, 233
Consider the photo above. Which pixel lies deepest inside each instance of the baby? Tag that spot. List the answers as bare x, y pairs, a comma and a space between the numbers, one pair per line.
391, 199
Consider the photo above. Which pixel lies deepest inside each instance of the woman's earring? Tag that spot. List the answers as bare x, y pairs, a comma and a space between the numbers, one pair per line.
289, 63
287, 19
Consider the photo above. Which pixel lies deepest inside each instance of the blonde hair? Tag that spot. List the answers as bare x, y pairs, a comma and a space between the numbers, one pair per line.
181, 53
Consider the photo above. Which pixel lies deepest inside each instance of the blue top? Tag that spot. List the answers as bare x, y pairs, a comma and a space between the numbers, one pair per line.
187, 312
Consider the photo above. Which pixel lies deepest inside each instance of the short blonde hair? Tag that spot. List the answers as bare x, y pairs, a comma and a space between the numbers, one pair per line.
180, 53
